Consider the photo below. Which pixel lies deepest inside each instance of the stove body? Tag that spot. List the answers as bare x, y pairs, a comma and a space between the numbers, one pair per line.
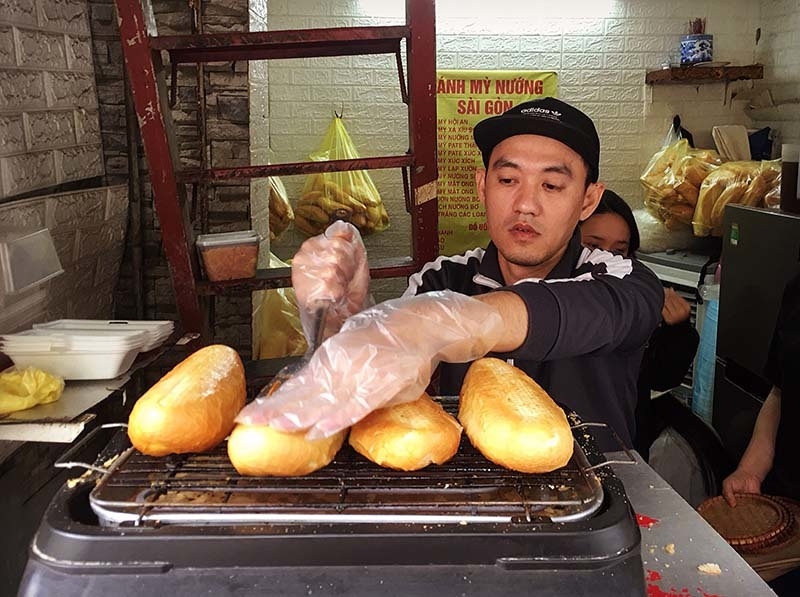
189, 525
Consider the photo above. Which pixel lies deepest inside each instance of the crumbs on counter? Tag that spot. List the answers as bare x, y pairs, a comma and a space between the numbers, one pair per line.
710, 568
669, 548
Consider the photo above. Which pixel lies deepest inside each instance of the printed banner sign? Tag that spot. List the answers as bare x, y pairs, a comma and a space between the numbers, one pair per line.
463, 98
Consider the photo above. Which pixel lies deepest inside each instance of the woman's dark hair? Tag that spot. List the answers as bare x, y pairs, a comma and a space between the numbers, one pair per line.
610, 202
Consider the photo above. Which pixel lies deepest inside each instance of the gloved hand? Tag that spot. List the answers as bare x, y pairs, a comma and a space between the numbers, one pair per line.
382, 356
331, 267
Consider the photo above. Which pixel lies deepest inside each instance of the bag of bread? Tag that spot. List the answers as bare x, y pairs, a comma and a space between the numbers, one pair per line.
277, 331
672, 182
749, 183
280, 210
351, 195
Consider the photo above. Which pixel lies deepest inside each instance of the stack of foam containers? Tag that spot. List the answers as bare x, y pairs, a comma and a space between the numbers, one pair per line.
81, 349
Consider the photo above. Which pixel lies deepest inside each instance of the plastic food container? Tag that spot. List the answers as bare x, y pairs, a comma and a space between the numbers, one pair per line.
157, 330
229, 255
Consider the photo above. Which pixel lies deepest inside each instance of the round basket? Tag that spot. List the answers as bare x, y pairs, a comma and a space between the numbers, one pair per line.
756, 523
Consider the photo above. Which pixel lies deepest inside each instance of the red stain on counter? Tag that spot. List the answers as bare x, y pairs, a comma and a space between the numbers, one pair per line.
646, 521
653, 590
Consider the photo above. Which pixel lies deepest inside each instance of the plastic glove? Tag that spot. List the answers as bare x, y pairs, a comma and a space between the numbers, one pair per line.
384, 355
331, 267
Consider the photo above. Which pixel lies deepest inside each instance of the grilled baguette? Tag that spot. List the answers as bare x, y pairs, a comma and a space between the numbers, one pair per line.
511, 420
192, 408
407, 436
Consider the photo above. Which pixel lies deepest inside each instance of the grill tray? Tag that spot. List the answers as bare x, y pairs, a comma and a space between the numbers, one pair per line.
206, 489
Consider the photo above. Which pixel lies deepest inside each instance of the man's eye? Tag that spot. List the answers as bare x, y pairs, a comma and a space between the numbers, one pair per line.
551, 187
506, 180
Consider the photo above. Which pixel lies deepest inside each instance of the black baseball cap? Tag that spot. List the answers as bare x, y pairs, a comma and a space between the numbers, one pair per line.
548, 117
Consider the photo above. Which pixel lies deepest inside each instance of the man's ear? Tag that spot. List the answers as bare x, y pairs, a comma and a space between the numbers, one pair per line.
480, 184
591, 198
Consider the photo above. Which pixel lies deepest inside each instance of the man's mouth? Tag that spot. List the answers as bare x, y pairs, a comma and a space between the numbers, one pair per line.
523, 228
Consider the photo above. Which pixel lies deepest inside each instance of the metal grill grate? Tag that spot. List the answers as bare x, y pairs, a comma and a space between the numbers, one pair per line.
205, 488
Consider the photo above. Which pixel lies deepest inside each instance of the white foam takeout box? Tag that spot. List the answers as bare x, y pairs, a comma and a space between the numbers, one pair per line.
76, 349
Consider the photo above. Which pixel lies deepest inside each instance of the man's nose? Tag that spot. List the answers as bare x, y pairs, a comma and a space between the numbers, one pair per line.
529, 199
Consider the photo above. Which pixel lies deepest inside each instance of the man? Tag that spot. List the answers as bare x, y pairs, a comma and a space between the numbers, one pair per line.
769, 459
576, 320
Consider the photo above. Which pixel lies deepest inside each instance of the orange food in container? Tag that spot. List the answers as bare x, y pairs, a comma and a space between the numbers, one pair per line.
229, 255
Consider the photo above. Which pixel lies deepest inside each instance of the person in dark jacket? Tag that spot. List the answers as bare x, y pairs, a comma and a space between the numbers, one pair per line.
673, 344
574, 319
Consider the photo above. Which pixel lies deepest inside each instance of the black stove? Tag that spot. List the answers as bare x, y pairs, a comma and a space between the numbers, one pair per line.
190, 524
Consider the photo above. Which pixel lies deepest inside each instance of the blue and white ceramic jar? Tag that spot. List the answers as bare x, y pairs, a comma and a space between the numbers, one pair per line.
697, 47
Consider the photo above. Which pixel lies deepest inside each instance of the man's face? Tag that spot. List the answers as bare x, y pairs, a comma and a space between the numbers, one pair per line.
534, 191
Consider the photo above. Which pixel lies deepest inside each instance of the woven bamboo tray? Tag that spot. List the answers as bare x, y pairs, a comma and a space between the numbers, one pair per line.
758, 522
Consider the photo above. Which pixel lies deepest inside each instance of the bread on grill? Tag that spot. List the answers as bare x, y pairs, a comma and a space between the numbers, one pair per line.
407, 436
191, 408
511, 420
260, 450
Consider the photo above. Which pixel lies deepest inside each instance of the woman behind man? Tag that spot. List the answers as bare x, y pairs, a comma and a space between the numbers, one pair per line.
672, 346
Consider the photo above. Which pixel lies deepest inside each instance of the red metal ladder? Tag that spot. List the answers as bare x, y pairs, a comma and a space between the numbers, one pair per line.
142, 49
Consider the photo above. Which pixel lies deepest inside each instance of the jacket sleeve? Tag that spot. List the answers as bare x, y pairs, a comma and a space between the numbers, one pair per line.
612, 306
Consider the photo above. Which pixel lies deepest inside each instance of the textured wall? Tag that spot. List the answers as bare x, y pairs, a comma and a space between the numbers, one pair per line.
49, 131
779, 51
88, 230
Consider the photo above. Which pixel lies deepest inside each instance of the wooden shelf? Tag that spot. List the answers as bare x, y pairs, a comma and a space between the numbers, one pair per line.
704, 74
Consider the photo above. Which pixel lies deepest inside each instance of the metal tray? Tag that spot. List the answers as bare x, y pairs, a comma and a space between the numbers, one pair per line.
194, 489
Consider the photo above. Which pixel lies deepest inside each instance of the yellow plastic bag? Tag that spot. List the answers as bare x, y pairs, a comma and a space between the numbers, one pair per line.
21, 389
672, 181
277, 331
280, 210
751, 183
353, 192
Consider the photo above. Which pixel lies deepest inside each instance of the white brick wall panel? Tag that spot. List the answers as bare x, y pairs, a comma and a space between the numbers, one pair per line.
21, 90
579, 94
12, 134
40, 49
77, 208
498, 44
68, 16
69, 90
617, 127
625, 27
574, 44
64, 240
606, 43
632, 110
583, 26
647, 10
79, 163
582, 61
376, 96
21, 12
621, 94
650, 44
623, 61
7, 55
27, 213
79, 53
315, 76
535, 61
50, 129
597, 78
603, 110
446, 61
541, 43
461, 43
674, 27
99, 239
27, 171
478, 61
87, 126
